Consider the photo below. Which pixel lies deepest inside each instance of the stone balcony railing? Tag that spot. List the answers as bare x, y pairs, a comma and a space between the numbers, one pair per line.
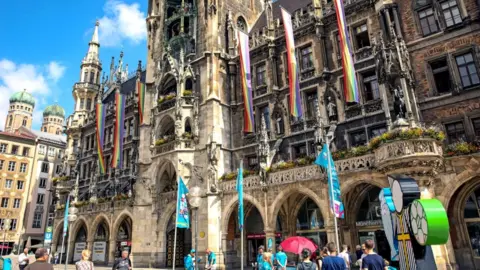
179, 144
105, 206
165, 105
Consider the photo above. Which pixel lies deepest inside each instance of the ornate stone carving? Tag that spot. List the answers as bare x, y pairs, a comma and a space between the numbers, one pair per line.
399, 103
213, 152
332, 110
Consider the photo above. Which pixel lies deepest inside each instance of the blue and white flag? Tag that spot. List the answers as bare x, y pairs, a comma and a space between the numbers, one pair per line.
183, 219
240, 196
65, 217
325, 161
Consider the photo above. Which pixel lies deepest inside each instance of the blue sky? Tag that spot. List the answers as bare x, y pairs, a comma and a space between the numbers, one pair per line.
43, 43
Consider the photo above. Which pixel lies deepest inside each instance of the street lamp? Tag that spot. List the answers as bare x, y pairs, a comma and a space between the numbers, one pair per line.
6, 226
72, 217
195, 199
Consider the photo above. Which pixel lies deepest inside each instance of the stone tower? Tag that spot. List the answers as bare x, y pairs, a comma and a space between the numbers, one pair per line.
190, 45
20, 111
84, 94
53, 119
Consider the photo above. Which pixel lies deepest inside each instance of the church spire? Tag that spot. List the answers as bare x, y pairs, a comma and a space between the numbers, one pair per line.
93, 46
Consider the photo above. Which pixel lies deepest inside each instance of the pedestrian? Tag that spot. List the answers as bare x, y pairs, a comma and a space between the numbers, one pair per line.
372, 261
55, 258
41, 257
306, 263
211, 260
281, 258
267, 261
23, 259
260, 257
189, 261
358, 252
333, 261
345, 256
85, 263
123, 263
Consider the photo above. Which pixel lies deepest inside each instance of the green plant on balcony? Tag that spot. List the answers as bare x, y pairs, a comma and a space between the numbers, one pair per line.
160, 100
60, 207
121, 197
60, 178
461, 148
408, 134
170, 96
162, 141
352, 152
187, 135
187, 93
80, 203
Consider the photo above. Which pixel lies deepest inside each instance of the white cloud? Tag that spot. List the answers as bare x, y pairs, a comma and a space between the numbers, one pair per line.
122, 22
35, 79
55, 70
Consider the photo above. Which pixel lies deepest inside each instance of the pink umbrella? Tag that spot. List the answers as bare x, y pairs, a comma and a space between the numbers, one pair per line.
296, 244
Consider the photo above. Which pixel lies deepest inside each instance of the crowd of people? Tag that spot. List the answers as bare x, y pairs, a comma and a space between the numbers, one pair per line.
327, 259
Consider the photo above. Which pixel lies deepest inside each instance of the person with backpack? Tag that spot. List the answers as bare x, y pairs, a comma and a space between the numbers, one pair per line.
123, 263
306, 263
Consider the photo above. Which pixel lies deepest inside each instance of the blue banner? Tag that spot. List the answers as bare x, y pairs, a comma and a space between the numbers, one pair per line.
65, 217
240, 196
183, 219
325, 161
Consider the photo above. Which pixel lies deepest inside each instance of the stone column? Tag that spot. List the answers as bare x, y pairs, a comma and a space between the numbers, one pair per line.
270, 234
90, 245
385, 104
111, 250
213, 228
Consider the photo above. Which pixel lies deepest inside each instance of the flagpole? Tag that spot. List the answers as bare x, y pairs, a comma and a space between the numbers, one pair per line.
241, 230
330, 183
176, 221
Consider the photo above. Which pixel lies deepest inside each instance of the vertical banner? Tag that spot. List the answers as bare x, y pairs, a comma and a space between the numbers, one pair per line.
183, 219
246, 80
295, 102
325, 161
65, 217
240, 196
117, 160
101, 112
141, 100
350, 87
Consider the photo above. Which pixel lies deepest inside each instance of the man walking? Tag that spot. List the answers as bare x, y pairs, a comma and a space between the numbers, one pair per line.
211, 260
332, 261
123, 263
372, 261
23, 259
41, 257
345, 256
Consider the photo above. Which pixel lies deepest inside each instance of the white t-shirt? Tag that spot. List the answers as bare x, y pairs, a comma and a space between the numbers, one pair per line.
22, 259
346, 257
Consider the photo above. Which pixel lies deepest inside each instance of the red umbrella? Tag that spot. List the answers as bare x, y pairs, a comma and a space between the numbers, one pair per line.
296, 244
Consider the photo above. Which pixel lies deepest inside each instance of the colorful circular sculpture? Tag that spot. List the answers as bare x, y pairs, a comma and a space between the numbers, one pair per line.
429, 222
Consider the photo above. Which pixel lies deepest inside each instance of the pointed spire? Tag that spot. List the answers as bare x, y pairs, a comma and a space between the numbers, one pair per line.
95, 33
93, 46
120, 68
112, 69
101, 88
139, 70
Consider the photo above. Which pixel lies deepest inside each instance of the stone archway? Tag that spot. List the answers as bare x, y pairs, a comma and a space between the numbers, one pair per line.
99, 239
464, 216
121, 237
78, 241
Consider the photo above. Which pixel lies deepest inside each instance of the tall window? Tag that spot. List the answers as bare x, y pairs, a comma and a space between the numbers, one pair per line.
37, 220
26, 151
85, 76
451, 13
23, 167
58, 169
41, 149
252, 162
265, 113
361, 36
51, 151
43, 183
3, 148
24, 121
370, 86
11, 166
261, 72
10, 121
1, 164
82, 103
8, 183
377, 131
4, 203
92, 77
475, 122
16, 203
45, 167
20, 185
307, 57
441, 75
15, 149
455, 132
467, 69
13, 224
40, 198
89, 104
312, 104
358, 138
428, 23
299, 151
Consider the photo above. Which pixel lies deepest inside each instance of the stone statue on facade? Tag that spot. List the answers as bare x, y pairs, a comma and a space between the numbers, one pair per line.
319, 132
332, 110
399, 103
263, 152
153, 130
213, 152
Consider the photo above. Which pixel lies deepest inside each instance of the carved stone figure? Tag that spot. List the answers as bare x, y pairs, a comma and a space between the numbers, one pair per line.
331, 109
153, 130
399, 103
178, 129
213, 151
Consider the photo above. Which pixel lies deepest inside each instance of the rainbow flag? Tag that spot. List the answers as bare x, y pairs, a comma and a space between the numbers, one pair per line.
246, 79
117, 159
350, 87
294, 81
100, 113
141, 100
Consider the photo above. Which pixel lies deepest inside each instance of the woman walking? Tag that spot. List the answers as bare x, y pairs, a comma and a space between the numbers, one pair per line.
85, 263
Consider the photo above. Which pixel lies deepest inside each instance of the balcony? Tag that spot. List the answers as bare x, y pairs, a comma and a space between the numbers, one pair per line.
363, 53
86, 85
166, 104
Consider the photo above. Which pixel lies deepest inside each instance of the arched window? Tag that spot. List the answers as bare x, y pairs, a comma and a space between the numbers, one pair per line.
85, 76
92, 77
10, 121
24, 122
242, 24
472, 220
44, 129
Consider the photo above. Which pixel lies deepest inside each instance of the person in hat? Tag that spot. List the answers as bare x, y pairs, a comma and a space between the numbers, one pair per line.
211, 260
190, 260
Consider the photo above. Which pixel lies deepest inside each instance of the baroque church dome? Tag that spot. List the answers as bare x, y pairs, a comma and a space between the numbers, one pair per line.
54, 110
23, 97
